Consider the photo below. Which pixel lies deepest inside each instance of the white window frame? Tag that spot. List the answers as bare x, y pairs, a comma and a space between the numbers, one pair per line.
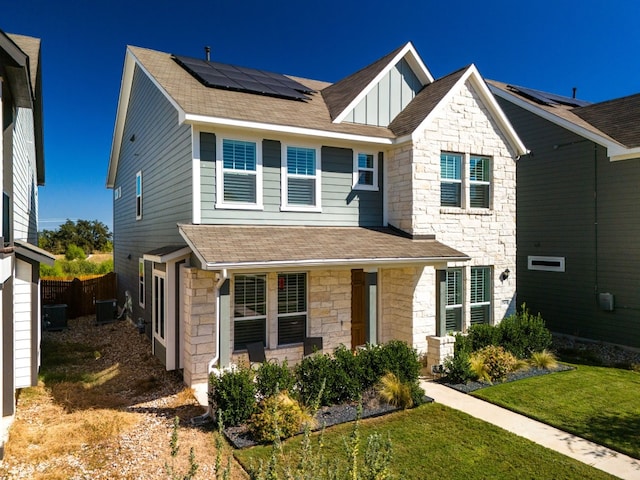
481, 182
473, 304
139, 191
284, 181
293, 314
220, 202
458, 181
159, 306
457, 306
265, 317
141, 283
533, 265
357, 170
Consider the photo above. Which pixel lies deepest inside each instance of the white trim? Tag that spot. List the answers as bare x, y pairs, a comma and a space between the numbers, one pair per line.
284, 179
154, 313
170, 257
356, 171
195, 169
558, 261
490, 103
220, 203
142, 284
414, 61
267, 127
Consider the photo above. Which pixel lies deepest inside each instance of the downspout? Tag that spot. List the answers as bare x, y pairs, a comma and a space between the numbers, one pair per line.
207, 417
224, 275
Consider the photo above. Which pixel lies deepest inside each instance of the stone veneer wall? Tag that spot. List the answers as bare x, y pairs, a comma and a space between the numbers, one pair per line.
199, 316
488, 236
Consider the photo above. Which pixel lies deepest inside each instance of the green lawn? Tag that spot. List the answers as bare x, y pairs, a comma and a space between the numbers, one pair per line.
434, 441
598, 403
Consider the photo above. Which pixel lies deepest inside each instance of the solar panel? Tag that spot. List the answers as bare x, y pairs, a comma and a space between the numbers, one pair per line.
546, 98
242, 79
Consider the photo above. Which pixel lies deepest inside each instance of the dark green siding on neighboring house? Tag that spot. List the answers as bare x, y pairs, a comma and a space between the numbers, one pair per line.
341, 205
572, 202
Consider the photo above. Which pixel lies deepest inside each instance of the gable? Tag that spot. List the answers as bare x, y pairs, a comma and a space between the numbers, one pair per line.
388, 97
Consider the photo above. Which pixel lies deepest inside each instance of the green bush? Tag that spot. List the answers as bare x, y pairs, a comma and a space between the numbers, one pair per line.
74, 252
482, 335
345, 384
314, 374
372, 365
524, 333
234, 394
272, 378
276, 417
400, 358
458, 368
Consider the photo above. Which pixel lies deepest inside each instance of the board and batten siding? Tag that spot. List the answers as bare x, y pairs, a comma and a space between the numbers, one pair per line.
25, 191
341, 204
155, 144
572, 202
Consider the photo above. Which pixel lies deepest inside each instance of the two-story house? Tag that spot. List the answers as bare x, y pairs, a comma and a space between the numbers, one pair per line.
21, 151
577, 211
253, 206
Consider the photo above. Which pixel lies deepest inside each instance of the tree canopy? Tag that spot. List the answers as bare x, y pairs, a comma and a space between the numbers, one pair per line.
89, 235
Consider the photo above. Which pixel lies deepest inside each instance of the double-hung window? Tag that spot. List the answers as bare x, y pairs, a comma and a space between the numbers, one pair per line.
454, 300
249, 310
479, 172
450, 180
138, 195
292, 307
300, 178
365, 171
480, 295
239, 174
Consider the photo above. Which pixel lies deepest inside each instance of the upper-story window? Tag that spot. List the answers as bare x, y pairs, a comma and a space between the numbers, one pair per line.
300, 178
138, 195
239, 174
465, 180
365, 171
479, 174
450, 180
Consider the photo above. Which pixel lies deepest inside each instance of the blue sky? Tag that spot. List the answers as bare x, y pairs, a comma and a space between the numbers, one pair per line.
550, 45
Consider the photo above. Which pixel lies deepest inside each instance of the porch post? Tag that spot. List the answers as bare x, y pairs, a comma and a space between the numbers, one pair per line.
441, 303
225, 323
371, 292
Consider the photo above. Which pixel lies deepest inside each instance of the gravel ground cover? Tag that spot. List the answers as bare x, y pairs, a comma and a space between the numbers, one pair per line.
134, 385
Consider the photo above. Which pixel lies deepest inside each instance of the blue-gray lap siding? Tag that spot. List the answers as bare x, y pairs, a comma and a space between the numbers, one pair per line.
341, 205
162, 150
573, 202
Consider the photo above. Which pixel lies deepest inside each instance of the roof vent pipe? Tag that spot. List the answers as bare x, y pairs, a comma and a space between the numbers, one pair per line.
575, 89
207, 53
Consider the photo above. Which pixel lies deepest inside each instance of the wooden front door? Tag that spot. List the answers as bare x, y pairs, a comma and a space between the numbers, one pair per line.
358, 326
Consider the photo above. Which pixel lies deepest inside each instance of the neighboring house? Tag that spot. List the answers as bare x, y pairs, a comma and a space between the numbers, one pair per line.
251, 206
578, 220
22, 171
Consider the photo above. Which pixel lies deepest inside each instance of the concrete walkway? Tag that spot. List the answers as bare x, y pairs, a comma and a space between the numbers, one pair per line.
582, 450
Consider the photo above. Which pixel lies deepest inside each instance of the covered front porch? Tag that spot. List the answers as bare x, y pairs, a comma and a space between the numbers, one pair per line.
348, 286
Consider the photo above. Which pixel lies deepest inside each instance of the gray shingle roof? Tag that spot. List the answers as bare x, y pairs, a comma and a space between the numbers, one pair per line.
619, 118
229, 246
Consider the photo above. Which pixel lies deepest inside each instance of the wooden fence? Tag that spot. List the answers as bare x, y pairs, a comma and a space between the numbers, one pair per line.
79, 295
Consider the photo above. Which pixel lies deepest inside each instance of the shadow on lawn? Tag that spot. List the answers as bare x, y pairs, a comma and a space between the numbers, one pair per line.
618, 432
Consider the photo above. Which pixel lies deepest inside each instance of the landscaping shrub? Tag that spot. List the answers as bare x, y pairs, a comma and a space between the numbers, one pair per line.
345, 382
400, 358
493, 362
394, 392
234, 394
314, 377
74, 252
272, 378
372, 365
482, 335
458, 367
544, 359
524, 333
277, 417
